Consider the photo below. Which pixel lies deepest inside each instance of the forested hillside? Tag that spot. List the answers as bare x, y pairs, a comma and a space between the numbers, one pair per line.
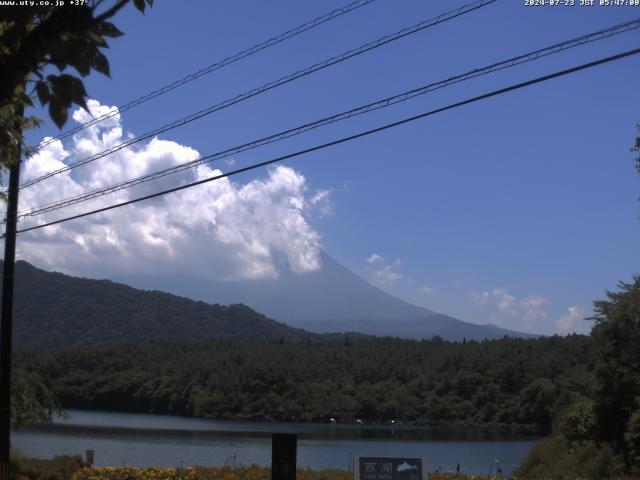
53, 310
509, 381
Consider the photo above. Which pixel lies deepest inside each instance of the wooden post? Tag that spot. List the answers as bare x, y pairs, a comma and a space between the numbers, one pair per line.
283, 456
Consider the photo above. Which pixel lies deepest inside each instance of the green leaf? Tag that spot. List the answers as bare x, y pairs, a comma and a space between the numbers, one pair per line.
108, 29
96, 38
58, 111
78, 92
81, 61
101, 64
43, 92
60, 53
26, 99
140, 5
61, 64
67, 89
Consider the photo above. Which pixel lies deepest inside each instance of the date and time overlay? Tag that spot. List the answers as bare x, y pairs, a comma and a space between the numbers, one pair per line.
526, 3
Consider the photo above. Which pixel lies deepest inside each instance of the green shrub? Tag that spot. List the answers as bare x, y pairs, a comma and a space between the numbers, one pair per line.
554, 458
58, 468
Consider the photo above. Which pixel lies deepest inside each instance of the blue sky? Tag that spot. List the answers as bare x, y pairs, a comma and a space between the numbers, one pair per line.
519, 210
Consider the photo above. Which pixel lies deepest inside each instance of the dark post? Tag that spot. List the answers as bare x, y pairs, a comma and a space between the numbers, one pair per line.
6, 323
283, 456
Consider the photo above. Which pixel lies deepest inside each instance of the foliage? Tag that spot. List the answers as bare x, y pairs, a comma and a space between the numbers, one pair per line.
508, 381
34, 38
71, 311
58, 468
632, 443
578, 423
253, 472
600, 438
459, 476
556, 458
73, 468
31, 401
617, 336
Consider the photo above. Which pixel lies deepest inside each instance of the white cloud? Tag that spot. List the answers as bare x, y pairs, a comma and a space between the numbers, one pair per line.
386, 276
506, 303
533, 307
529, 309
482, 297
424, 289
322, 202
374, 258
219, 230
570, 322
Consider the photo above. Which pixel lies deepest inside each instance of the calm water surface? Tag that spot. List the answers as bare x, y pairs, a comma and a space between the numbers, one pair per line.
146, 440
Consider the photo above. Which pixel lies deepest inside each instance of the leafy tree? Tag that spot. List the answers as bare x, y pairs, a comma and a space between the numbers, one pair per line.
35, 38
577, 424
376, 379
31, 401
554, 458
632, 443
538, 400
617, 336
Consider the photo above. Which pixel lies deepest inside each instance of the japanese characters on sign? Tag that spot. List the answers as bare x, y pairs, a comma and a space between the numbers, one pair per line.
389, 468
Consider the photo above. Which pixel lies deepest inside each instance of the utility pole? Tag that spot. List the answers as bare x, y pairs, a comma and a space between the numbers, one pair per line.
6, 323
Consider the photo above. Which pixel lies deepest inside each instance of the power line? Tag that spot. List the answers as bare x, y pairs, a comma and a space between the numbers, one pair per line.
215, 66
271, 85
346, 139
534, 55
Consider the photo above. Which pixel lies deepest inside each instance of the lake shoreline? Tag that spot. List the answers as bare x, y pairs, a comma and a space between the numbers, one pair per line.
529, 429
142, 440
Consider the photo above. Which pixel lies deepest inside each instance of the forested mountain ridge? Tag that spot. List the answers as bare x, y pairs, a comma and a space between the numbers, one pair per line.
508, 381
53, 310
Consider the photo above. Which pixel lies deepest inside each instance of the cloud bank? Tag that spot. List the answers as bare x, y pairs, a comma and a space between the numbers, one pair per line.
571, 322
529, 309
219, 230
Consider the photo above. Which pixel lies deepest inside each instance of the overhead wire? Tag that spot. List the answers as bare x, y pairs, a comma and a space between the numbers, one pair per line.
213, 67
323, 146
449, 15
386, 102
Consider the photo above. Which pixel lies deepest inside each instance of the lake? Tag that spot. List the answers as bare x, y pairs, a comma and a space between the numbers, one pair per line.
147, 440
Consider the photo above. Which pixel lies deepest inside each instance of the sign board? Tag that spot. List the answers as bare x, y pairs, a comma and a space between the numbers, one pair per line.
389, 468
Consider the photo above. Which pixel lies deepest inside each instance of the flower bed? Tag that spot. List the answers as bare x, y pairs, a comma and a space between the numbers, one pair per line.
253, 472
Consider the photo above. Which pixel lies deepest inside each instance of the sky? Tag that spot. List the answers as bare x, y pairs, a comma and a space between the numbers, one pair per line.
519, 210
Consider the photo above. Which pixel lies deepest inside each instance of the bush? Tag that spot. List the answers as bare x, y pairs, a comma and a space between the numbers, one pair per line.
58, 468
554, 458
253, 472
632, 443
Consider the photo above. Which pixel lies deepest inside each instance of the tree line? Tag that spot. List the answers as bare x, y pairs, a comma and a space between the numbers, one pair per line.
508, 381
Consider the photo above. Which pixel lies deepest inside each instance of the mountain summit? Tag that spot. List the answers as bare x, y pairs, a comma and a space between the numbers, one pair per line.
332, 299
